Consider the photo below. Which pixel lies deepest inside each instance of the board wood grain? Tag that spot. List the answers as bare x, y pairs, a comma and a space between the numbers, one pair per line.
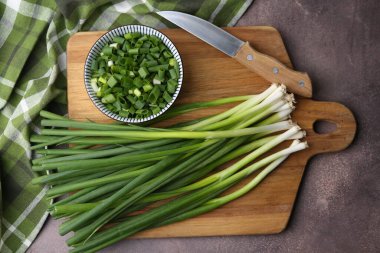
209, 74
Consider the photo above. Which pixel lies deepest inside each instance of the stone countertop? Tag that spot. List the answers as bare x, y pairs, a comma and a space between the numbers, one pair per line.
338, 205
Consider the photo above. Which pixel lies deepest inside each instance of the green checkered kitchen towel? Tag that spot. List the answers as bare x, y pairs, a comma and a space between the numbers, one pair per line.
33, 37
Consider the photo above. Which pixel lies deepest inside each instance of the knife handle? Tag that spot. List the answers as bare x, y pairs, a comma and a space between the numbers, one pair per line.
274, 71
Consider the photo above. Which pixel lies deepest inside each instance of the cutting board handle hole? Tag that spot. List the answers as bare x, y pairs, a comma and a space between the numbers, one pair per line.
324, 126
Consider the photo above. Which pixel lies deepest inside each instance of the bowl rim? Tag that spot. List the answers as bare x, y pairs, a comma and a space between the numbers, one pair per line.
173, 49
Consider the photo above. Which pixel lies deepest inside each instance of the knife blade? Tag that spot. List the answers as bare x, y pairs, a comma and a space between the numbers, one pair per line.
264, 65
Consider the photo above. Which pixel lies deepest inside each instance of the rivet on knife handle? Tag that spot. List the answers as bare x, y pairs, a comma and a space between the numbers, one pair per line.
274, 71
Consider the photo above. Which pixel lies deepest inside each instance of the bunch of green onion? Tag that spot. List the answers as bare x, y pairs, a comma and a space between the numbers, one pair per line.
168, 174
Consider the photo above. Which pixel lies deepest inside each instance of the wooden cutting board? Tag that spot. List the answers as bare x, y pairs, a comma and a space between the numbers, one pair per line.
210, 74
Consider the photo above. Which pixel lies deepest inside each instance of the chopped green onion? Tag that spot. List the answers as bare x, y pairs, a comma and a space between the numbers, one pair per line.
133, 51
118, 40
114, 45
173, 74
154, 95
158, 67
172, 62
139, 104
147, 87
94, 84
107, 50
172, 86
135, 67
167, 54
167, 97
110, 98
137, 92
112, 81
143, 72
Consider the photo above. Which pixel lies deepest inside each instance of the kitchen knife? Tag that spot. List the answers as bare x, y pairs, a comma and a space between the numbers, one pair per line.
264, 65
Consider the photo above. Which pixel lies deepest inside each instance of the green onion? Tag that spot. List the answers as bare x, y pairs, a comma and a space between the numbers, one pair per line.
172, 134
143, 72
110, 98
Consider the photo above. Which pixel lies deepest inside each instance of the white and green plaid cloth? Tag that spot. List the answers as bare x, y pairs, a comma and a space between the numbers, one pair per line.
33, 38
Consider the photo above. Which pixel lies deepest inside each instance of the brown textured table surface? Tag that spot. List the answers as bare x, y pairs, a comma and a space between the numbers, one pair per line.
338, 207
